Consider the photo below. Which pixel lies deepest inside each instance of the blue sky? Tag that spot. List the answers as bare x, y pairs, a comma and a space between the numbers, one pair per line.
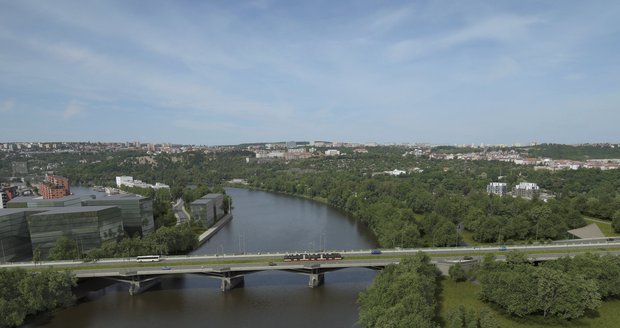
228, 72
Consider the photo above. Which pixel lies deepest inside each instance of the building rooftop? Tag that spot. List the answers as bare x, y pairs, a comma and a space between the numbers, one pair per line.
9, 211
68, 210
121, 197
202, 200
212, 196
22, 199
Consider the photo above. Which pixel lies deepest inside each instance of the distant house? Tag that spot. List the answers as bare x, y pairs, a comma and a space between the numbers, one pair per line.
395, 172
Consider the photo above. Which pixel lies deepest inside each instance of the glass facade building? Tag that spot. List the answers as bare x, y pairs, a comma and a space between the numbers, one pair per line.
137, 211
89, 226
208, 209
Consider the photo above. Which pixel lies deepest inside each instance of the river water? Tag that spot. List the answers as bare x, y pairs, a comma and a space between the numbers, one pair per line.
263, 222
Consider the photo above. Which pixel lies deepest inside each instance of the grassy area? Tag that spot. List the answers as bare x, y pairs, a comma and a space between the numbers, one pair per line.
466, 293
605, 227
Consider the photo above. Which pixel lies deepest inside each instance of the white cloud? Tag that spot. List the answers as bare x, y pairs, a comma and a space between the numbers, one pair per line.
73, 109
502, 28
7, 106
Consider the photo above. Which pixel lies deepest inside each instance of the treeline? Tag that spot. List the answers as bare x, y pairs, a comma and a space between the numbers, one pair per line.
402, 295
23, 293
579, 153
429, 208
566, 288
164, 241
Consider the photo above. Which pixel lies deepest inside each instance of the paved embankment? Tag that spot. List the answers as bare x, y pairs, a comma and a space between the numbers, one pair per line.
214, 228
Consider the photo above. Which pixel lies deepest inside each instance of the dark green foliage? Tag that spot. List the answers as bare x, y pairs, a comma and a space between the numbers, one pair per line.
23, 293
461, 317
616, 221
64, 249
401, 295
457, 273
604, 270
563, 289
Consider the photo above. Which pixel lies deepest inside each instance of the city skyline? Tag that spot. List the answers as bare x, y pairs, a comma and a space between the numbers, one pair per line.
229, 73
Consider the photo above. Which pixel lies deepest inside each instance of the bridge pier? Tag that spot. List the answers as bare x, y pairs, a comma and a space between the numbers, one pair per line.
137, 285
316, 280
229, 283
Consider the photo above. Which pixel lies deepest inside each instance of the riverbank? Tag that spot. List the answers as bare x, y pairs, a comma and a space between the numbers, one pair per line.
214, 228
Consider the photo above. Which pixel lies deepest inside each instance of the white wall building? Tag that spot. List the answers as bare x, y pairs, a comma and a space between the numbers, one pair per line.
498, 188
332, 152
124, 180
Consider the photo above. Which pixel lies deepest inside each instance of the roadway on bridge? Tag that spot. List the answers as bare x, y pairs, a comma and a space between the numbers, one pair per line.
250, 261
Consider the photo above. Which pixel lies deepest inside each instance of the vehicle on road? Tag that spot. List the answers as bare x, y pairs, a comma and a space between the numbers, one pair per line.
610, 239
272, 264
312, 257
467, 258
166, 268
503, 248
375, 252
148, 258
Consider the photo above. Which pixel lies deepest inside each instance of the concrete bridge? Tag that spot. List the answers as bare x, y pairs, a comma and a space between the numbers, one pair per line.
230, 269
141, 278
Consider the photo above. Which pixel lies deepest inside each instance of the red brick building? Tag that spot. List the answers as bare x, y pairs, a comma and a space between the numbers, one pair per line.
54, 187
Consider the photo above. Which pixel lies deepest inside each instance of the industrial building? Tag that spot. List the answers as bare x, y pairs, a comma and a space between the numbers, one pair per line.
89, 226
208, 209
137, 211
14, 234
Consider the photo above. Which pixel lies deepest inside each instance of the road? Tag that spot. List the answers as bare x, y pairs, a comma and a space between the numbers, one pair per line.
179, 211
388, 254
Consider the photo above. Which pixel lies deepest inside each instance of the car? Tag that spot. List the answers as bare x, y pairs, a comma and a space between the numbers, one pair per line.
272, 264
467, 258
503, 248
166, 268
375, 252
610, 239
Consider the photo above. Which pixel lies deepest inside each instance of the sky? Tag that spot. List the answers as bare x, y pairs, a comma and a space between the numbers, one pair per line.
230, 72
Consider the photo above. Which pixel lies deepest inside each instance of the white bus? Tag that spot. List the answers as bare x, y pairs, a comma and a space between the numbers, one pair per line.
148, 258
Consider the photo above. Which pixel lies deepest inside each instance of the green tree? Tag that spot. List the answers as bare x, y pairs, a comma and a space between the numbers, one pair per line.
457, 273
616, 221
401, 295
64, 249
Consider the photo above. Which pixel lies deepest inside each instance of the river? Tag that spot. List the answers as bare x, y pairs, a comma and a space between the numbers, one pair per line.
263, 222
